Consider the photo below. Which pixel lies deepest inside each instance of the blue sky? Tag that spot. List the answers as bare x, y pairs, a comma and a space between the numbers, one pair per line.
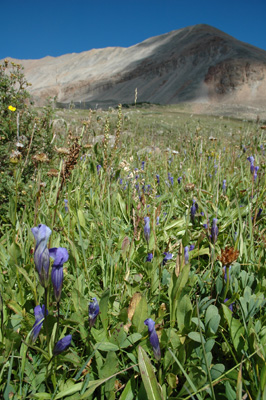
34, 29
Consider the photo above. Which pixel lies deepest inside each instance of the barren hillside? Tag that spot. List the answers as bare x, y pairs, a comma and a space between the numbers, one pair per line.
198, 63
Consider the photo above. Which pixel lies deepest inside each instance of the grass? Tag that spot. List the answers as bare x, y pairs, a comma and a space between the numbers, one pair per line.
207, 350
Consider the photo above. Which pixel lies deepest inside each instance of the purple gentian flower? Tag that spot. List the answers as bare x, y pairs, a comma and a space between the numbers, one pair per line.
259, 212
41, 234
224, 186
94, 310
39, 318
255, 172
179, 179
186, 254
98, 168
252, 161
193, 210
214, 230
157, 220
62, 345
153, 338
158, 179
60, 256
168, 256
142, 165
66, 205
149, 257
187, 249
147, 229
120, 181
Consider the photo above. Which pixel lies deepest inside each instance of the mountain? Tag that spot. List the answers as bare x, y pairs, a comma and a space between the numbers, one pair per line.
198, 63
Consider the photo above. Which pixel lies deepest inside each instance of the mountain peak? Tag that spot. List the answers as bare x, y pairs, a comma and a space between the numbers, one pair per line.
195, 63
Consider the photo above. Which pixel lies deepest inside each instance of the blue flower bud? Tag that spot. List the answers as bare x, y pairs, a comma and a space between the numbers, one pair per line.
193, 210
147, 229
168, 256
94, 310
153, 338
41, 234
149, 257
60, 256
62, 345
39, 318
214, 230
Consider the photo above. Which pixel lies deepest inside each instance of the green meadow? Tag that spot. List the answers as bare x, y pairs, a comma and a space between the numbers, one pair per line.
161, 213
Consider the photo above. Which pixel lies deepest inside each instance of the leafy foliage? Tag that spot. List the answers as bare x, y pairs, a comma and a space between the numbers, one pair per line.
210, 320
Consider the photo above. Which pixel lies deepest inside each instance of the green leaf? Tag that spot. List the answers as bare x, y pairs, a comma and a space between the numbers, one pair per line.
148, 376
107, 346
130, 340
236, 330
104, 308
175, 289
195, 336
76, 387
184, 312
141, 313
81, 219
128, 392
41, 396
217, 370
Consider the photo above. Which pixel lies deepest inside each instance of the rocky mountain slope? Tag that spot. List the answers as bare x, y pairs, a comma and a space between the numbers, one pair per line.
198, 63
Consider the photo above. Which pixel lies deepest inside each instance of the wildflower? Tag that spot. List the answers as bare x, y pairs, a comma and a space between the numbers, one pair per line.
66, 205
168, 256
11, 108
120, 181
93, 311
252, 161
39, 318
62, 345
214, 230
98, 168
259, 212
179, 179
187, 249
255, 172
41, 234
193, 210
60, 256
158, 179
142, 165
205, 226
157, 220
147, 229
153, 338
224, 186
149, 257
170, 178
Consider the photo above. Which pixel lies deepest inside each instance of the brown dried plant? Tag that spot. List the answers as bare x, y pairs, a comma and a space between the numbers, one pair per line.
228, 256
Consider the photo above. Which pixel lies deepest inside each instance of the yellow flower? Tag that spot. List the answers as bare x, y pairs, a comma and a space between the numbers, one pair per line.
11, 108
